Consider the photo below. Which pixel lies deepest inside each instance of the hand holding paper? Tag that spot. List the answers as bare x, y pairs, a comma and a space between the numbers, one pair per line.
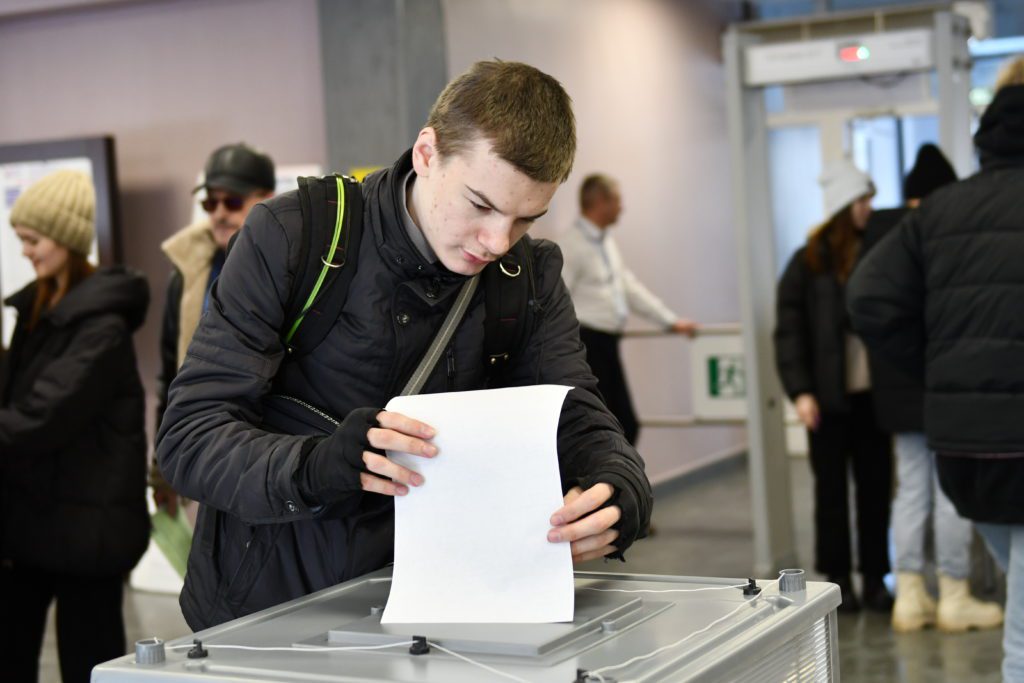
471, 544
589, 531
397, 432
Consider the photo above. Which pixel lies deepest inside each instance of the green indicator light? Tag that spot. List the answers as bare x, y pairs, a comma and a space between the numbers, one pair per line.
863, 53
980, 97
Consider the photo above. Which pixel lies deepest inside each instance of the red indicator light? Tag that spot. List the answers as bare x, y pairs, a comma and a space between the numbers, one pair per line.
853, 53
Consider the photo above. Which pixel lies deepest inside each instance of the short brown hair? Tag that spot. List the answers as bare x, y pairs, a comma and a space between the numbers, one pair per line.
524, 113
1012, 73
595, 185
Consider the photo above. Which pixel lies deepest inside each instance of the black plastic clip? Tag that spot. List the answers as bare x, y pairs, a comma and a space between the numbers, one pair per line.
751, 588
198, 651
583, 676
419, 646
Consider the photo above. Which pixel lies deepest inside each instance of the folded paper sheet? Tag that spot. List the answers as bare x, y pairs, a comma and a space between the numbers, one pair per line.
471, 543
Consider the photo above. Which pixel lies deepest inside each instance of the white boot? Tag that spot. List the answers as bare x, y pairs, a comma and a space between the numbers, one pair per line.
914, 608
960, 611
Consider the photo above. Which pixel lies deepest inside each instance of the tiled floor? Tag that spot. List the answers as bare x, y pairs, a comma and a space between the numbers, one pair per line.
703, 529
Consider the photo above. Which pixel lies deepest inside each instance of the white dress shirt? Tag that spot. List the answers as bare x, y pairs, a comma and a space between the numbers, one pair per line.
603, 290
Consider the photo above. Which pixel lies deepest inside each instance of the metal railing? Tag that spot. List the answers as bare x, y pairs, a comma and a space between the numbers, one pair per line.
683, 421
713, 330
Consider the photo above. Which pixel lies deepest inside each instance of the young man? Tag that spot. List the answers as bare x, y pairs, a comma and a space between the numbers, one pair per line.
285, 515
236, 178
605, 291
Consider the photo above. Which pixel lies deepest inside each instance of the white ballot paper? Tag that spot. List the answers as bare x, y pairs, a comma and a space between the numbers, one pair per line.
471, 542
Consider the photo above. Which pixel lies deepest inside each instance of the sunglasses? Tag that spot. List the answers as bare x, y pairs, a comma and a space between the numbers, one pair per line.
231, 203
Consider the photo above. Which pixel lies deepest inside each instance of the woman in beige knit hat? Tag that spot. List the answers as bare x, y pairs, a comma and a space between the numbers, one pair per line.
54, 219
73, 515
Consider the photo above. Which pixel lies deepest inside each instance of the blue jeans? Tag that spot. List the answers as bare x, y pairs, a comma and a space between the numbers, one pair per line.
1006, 541
918, 496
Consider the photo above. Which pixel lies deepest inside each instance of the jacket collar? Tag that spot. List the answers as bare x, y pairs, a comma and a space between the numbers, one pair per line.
385, 191
22, 300
590, 231
191, 248
114, 289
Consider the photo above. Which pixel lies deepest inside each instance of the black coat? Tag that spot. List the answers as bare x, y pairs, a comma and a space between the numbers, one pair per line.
72, 432
897, 389
271, 542
944, 292
810, 334
169, 332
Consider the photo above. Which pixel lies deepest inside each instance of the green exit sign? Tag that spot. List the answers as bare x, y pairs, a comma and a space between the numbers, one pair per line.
726, 378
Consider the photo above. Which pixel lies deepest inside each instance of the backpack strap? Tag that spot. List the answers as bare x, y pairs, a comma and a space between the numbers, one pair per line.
509, 294
332, 229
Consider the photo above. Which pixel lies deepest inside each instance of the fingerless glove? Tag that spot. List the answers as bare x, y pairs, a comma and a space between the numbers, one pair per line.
330, 470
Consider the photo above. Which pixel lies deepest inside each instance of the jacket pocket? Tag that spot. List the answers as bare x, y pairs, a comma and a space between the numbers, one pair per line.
371, 537
290, 415
252, 546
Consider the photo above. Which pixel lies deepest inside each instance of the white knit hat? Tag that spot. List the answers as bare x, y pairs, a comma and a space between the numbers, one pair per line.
61, 206
842, 182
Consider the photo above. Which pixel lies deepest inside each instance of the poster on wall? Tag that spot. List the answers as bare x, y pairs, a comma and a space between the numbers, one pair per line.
22, 165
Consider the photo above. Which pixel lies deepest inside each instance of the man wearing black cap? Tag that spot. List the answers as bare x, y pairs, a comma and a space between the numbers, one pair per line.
237, 177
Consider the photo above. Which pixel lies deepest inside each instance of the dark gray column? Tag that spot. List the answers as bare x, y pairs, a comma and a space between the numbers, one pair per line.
384, 65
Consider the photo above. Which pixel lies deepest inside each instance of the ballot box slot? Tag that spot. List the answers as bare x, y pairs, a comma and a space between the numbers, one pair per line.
598, 617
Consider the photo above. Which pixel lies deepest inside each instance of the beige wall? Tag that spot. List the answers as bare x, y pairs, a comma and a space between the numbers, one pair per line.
648, 86
170, 80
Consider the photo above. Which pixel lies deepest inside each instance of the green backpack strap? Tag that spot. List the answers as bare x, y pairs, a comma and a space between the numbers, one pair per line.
332, 229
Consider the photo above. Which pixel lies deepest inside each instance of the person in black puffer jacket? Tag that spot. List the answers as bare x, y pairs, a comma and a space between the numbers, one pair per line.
73, 517
943, 293
898, 390
824, 370
283, 515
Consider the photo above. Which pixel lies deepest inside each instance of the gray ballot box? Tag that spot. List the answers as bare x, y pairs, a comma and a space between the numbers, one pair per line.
626, 628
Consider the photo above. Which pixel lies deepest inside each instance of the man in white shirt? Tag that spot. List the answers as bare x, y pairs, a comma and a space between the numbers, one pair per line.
604, 291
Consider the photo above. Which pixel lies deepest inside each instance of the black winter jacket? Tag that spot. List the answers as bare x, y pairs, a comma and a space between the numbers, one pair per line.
944, 292
897, 389
272, 527
169, 331
72, 432
810, 334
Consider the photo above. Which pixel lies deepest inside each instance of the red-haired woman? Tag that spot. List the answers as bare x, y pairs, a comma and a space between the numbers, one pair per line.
824, 369
73, 516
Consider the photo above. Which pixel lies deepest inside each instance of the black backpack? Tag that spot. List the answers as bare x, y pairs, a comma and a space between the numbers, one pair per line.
332, 230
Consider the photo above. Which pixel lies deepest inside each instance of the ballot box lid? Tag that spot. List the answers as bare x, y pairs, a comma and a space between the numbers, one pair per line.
626, 627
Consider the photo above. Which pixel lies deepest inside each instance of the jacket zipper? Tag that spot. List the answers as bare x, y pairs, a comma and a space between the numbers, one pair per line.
312, 409
450, 355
